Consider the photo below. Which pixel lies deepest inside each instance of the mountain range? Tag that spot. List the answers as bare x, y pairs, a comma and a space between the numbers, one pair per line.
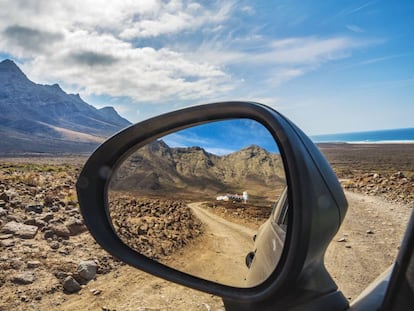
36, 118
158, 168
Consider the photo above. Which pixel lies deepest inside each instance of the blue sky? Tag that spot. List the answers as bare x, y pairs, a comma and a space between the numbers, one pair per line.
224, 137
329, 66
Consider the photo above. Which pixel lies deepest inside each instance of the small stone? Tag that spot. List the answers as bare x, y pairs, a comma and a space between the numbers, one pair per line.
95, 291
21, 230
33, 264
47, 217
370, 231
87, 269
54, 245
48, 201
4, 197
71, 285
16, 263
7, 243
6, 236
3, 212
54, 208
342, 240
64, 251
23, 278
348, 246
76, 226
61, 275
36, 208
24, 298
48, 234
60, 230
35, 222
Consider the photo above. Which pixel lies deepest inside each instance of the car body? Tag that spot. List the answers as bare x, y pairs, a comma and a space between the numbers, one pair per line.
268, 243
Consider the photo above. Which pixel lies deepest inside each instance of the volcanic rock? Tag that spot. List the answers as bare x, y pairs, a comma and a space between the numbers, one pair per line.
87, 269
25, 277
20, 230
71, 285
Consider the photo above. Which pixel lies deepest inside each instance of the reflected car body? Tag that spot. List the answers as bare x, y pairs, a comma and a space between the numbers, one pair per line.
269, 242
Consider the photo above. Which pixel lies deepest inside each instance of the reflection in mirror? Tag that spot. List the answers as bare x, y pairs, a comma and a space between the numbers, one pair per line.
208, 200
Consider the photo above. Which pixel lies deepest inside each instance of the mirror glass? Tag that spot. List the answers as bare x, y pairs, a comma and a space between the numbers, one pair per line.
207, 200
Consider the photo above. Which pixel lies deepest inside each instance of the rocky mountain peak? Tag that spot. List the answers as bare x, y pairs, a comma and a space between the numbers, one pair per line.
254, 149
44, 118
107, 109
56, 87
8, 64
9, 68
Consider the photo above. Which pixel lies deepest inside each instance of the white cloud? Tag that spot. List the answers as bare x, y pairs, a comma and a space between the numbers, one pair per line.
355, 28
98, 47
248, 10
355, 9
186, 139
279, 61
291, 51
173, 18
89, 51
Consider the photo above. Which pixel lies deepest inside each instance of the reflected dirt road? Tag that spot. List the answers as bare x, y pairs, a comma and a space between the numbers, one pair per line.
219, 255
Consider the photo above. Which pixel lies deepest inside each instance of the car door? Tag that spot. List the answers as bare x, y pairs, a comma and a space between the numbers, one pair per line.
269, 242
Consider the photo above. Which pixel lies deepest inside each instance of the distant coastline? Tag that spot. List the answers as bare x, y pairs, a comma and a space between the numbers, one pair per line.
394, 136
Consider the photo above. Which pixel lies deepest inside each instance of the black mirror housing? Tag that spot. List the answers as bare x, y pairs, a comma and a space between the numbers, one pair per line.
315, 195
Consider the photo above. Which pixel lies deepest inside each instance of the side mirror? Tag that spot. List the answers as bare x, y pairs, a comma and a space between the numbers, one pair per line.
128, 172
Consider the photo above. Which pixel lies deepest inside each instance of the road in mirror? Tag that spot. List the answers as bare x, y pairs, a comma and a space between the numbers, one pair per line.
195, 199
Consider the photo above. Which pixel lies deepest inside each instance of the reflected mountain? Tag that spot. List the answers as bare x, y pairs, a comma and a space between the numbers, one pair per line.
157, 168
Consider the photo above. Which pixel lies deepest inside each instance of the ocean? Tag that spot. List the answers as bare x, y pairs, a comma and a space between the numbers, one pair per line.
383, 136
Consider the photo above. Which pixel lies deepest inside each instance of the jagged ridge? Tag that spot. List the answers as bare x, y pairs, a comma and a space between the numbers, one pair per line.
159, 168
43, 118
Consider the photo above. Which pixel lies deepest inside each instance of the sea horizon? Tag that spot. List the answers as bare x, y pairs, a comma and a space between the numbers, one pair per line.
389, 136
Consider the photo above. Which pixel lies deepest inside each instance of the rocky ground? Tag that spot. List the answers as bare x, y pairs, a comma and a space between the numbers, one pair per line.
385, 170
45, 247
395, 187
49, 262
155, 228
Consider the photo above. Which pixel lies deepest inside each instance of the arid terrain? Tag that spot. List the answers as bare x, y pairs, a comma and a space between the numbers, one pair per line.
48, 261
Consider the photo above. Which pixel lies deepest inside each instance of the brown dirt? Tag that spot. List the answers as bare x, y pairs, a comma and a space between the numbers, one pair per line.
353, 160
367, 242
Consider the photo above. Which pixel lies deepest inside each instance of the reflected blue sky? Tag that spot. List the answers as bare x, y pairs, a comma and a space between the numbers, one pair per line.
224, 137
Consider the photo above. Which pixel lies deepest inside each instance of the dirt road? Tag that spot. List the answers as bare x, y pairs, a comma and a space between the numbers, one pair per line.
365, 245
220, 256
367, 242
